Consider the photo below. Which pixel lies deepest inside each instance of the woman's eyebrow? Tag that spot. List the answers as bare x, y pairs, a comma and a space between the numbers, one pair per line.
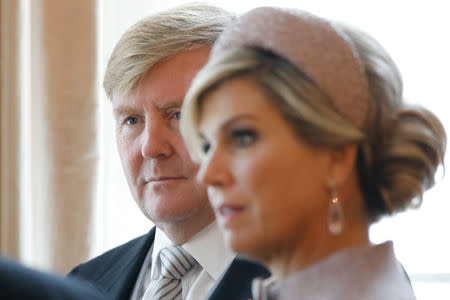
229, 123
244, 116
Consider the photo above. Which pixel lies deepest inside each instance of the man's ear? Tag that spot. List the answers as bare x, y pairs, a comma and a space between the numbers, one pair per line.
342, 163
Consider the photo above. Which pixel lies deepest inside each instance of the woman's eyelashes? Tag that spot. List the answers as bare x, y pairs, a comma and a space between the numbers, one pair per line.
235, 138
243, 137
205, 146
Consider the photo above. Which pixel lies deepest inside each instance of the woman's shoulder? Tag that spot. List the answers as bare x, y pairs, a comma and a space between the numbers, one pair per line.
371, 272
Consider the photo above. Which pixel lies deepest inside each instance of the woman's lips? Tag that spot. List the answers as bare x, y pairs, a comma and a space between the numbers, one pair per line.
228, 213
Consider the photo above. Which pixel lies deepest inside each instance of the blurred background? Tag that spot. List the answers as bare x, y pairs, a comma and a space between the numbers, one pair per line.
64, 197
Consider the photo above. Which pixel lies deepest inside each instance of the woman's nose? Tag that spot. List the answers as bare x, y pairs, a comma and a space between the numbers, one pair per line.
214, 169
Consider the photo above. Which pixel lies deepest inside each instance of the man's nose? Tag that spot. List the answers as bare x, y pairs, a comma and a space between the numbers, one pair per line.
156, 140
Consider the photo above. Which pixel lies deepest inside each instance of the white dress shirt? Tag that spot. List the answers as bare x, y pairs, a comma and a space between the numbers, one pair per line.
208, 249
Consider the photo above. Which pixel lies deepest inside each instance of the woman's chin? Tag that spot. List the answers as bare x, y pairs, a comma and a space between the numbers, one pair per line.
242, 244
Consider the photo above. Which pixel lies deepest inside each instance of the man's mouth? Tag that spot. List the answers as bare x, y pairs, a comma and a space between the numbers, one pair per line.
162, 179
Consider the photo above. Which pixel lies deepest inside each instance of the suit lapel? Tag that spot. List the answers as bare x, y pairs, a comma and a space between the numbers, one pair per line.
122, 276
236, 282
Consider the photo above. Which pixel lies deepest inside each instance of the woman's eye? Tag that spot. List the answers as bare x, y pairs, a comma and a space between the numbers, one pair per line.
131, 120
243, 137
205, 147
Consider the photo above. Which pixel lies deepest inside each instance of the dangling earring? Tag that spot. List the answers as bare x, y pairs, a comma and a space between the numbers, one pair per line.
335, 212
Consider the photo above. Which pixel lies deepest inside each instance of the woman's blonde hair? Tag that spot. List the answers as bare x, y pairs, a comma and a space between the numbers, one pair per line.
400, 147
159, 36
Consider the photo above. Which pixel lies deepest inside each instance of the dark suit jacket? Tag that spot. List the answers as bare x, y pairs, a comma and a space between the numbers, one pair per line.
115, 272
19, 282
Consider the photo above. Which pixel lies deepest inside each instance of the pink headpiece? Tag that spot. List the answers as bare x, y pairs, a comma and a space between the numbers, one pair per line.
314, 46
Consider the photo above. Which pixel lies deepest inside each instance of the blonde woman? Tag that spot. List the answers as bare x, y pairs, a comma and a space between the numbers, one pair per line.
304, 140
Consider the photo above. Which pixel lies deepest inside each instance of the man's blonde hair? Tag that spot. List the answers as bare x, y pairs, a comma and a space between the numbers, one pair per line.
159, 36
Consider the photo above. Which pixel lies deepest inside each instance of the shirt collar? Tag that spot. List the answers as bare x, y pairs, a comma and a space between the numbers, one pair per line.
200, 246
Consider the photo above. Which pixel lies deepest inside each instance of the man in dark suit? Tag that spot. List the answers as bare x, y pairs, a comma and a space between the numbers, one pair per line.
146, 79
19, 282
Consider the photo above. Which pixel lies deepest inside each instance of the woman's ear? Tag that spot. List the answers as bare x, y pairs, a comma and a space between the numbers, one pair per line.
342, 163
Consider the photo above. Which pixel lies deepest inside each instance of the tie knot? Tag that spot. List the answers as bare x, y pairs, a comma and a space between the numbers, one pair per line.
175, 262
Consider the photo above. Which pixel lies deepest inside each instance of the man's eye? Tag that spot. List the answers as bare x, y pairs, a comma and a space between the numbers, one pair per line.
243, 137
177, 115
131, 120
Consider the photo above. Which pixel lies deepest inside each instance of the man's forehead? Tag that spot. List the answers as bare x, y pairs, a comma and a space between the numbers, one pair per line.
174, 74
165, 84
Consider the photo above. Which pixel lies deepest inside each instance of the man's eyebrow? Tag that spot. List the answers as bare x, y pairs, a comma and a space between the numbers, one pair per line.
124, 109
176, 103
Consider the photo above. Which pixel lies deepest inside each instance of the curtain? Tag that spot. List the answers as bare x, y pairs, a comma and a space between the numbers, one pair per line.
49, 131
10, 127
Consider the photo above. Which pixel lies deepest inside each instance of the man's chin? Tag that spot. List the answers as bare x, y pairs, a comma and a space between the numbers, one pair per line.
168, 216
180, 220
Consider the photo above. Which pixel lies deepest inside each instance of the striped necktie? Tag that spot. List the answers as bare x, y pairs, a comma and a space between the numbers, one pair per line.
175, 263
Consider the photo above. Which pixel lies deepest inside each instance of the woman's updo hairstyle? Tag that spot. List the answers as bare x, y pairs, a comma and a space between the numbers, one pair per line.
403, 145
335, 86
